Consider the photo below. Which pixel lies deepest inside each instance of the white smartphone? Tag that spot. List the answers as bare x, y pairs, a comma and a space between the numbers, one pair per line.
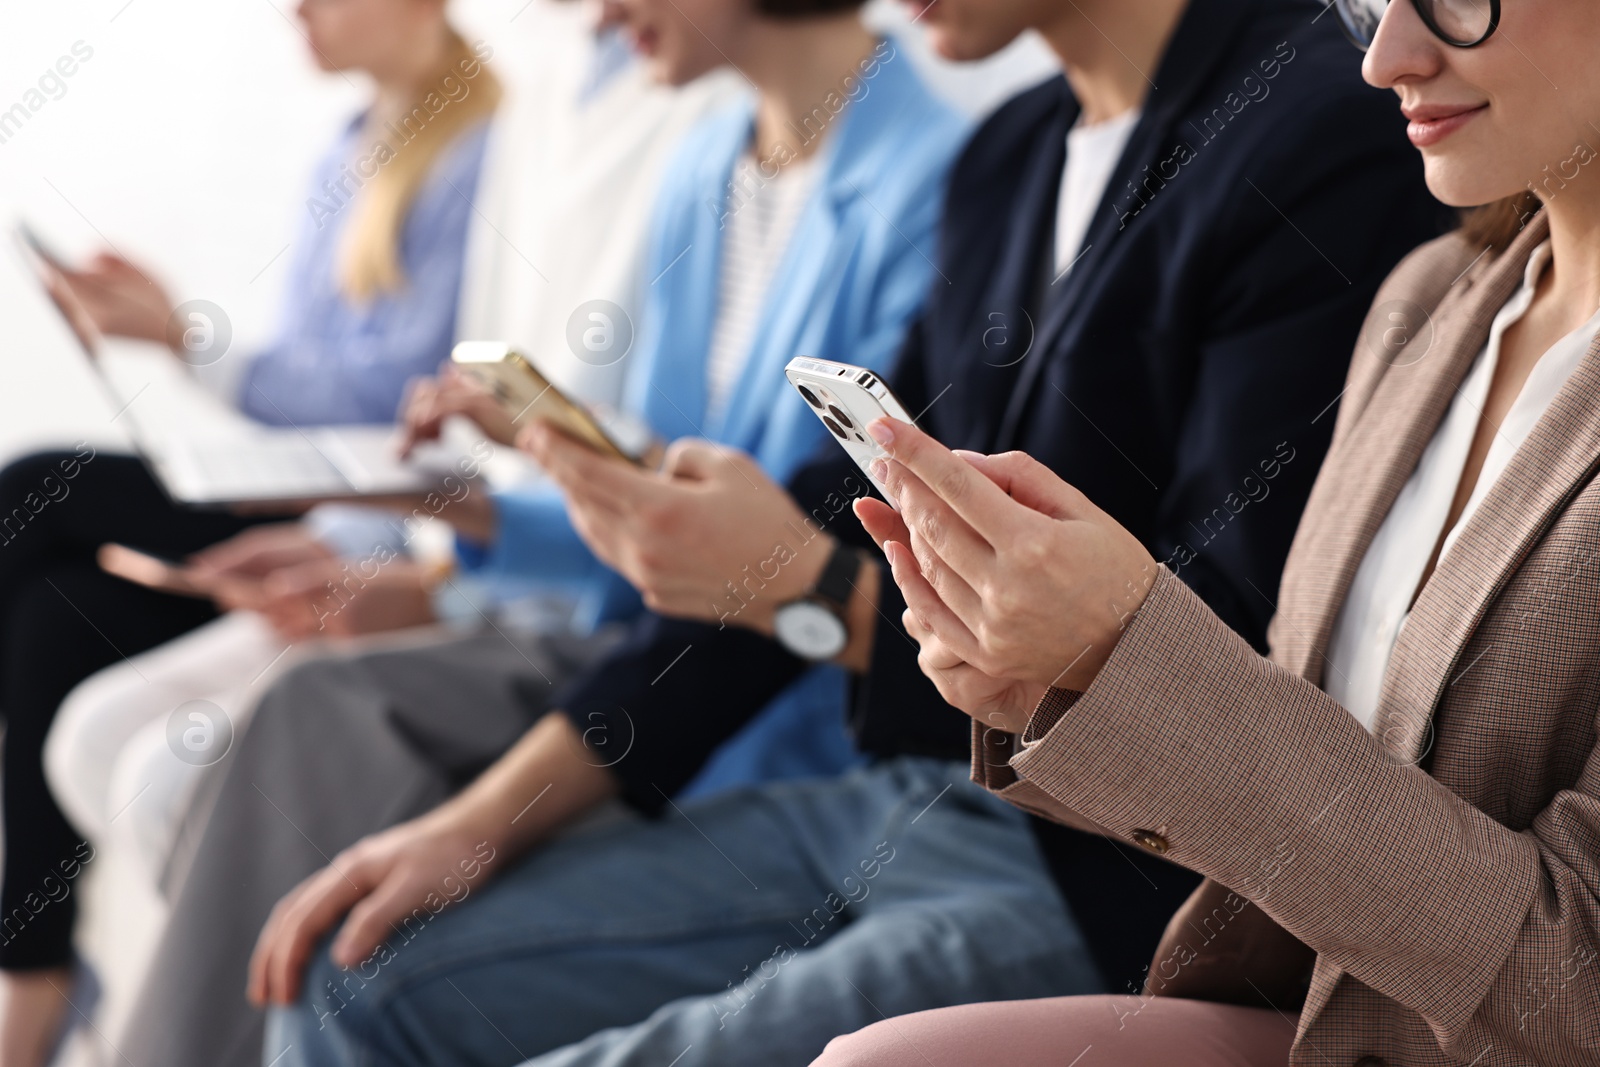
846, 398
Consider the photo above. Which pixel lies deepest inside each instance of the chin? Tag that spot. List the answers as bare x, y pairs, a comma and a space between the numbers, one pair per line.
680, 72
955, 47
1458, 183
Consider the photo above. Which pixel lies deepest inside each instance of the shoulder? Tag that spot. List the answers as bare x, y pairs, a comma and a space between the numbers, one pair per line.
699, 165
711, 142
1011, 133
1291, 97
898, 138
463, 156
1404, 310
1426, 274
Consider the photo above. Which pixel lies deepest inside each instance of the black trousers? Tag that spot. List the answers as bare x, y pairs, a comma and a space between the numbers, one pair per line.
62, 619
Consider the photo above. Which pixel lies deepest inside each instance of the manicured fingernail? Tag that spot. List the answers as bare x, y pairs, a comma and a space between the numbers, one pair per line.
880, 469
881, 432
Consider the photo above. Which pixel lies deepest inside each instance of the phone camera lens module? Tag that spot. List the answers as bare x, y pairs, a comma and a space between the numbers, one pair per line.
811, 398
834, 426
844, 420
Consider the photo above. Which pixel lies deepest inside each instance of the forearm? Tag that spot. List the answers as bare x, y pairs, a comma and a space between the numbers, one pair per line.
540, 785
1229, 765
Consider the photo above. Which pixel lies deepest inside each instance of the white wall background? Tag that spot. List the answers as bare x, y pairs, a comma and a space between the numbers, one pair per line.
184, 141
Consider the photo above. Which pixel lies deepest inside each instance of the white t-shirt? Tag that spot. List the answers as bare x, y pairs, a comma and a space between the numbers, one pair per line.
1379, 603
1092, 154
761, 215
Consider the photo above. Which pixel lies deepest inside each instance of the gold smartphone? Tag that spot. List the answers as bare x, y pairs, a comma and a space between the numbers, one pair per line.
525, 394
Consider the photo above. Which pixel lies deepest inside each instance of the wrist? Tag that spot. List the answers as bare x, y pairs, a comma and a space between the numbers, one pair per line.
833, 620
794, 581
862, 619
1080, 673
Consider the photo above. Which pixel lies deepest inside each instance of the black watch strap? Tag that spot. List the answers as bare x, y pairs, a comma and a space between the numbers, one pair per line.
838, 578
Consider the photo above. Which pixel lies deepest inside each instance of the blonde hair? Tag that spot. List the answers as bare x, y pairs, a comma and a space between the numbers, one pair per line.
461, 94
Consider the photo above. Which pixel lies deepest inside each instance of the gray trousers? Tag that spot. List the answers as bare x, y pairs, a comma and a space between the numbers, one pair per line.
339, 748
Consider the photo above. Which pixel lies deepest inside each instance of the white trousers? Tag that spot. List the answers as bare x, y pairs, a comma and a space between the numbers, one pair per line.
126, 754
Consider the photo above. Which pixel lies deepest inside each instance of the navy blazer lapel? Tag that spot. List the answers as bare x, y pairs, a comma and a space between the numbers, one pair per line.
1199, 43
1012, 298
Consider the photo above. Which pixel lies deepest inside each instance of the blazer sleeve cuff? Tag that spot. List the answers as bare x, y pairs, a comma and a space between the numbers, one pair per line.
992, 751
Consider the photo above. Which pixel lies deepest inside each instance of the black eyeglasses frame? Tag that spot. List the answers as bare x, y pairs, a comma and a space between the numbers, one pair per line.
1428, 21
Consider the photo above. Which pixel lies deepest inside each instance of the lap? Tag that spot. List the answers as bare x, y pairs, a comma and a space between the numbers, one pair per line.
55, 504
457, 701
905, 879
1102, 1031
355, 738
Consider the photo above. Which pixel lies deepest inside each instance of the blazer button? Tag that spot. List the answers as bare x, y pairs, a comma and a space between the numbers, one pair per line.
1372, 1061
1152, 841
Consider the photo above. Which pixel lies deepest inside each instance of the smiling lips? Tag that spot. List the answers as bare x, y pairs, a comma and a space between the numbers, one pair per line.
1431, 124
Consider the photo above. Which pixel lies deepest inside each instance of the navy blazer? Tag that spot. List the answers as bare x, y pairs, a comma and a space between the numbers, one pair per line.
1184, 374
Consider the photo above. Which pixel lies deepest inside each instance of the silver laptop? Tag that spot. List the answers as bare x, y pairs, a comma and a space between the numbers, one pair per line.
205, 453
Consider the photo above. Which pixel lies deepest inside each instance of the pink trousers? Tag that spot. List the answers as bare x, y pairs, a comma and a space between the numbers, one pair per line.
1101, 1031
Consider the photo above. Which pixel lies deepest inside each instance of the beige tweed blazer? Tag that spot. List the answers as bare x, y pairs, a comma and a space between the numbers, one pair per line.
1445, 868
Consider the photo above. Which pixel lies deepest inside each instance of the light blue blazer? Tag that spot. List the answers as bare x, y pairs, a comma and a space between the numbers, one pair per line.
855, 275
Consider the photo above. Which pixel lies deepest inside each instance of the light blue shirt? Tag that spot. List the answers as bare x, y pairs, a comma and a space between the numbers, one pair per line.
853, 278
335, 361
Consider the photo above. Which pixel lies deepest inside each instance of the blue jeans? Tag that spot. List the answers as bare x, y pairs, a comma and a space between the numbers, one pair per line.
751, 927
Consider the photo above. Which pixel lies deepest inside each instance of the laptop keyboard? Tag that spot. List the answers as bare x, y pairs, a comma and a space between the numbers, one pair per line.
267, 466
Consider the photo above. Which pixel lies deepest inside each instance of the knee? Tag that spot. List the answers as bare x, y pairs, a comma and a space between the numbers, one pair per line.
82, 746
303, 689
27, 474
31, 484
307, 1035
289, 711
878, 1045
70, 763
336, 1008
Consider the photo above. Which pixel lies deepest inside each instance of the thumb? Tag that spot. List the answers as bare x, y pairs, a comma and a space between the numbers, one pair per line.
1032, 484
696, 459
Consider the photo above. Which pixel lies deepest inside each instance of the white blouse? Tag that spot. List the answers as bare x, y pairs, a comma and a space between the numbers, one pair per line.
1379, 601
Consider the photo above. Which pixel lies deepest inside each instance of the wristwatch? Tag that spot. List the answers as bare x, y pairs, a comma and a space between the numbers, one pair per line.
813, 627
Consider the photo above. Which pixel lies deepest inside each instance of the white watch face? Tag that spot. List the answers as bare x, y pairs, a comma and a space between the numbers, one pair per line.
810, 630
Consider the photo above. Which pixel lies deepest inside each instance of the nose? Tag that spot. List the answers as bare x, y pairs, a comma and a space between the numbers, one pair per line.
1403, 50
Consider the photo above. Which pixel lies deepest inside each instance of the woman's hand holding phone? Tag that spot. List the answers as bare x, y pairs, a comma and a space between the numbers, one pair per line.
1005, 568
431, 401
